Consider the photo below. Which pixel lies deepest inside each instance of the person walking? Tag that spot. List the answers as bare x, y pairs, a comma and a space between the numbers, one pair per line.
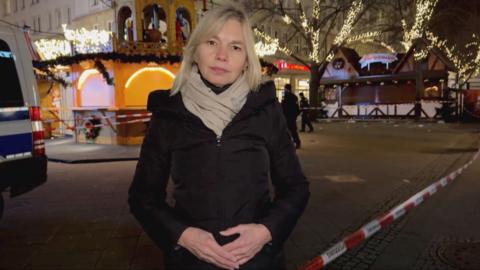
291, 112
220, 136
305, 108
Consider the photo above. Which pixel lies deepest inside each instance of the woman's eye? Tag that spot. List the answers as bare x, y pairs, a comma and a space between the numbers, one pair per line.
211, 42
237, 48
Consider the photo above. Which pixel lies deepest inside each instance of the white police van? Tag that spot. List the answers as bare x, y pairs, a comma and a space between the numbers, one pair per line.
23, 164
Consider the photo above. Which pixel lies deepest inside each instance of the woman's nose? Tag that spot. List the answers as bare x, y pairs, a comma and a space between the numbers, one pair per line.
221, 53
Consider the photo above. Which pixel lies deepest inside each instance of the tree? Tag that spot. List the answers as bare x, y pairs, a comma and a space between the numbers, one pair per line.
322, 25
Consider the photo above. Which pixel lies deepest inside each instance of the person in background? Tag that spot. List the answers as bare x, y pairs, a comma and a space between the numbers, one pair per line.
291, 112
305, 108
221, 137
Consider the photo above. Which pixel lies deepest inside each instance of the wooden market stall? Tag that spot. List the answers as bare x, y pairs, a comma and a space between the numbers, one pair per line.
389, 85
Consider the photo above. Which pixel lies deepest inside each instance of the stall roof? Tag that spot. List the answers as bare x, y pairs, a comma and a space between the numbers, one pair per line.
404, 76
422, 43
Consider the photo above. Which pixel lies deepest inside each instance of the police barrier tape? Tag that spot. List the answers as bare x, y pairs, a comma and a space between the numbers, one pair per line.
383, 221
99, 117
117, 123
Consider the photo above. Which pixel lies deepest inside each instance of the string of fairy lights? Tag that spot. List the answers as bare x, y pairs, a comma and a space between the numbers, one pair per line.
79, 40
271, 42
314, 33
423, 14
91, 41
466, 65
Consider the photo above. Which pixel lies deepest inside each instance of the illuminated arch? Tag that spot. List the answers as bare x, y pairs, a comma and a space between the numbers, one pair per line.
93, 90
144, 81
85, 74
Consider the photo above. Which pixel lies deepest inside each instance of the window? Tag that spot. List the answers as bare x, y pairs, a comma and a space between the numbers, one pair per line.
7, 9
69, 16
110, 26
94, 3
95, 26
49, 21
36, 23
22, 6
15, 5
58, 14
11, 94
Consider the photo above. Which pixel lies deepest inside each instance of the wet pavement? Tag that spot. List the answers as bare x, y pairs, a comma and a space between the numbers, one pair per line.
80, 219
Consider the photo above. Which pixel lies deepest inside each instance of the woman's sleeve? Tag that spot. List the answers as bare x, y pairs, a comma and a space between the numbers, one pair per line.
290, 184
148, 190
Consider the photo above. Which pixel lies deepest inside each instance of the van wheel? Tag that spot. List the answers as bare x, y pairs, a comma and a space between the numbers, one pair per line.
2, 204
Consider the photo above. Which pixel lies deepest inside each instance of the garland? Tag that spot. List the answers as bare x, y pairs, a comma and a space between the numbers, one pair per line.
113, 56
50, 76
120, 57
101, 68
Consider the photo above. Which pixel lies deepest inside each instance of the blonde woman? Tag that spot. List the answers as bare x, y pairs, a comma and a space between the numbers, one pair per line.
221, 137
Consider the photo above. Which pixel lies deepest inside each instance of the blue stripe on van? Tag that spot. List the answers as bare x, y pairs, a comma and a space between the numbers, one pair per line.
14, 144
13, 115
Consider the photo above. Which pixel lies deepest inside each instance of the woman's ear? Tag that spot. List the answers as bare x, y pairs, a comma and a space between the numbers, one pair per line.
195, 57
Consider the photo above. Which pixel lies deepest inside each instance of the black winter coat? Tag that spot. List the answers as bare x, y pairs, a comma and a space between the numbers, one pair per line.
219, 182
290, 106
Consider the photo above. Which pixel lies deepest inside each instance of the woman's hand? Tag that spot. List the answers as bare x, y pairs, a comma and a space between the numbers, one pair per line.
202, 244
251, 240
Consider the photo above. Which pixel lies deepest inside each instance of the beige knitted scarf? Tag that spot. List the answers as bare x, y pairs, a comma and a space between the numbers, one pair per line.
215, 110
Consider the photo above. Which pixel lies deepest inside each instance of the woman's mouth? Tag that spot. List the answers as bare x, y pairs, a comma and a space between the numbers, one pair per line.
218, 70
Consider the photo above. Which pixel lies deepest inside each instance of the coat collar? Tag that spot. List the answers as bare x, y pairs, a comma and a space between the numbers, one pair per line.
160, 102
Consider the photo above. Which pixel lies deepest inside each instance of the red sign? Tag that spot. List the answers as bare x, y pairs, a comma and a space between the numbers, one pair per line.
282, 64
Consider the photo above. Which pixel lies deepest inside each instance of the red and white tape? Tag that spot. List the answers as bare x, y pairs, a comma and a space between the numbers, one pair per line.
380, 223
117, 123
100, 117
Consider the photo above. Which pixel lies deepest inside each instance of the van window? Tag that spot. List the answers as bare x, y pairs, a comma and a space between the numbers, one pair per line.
10, 92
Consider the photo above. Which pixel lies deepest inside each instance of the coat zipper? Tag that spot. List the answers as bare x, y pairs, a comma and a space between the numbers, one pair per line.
221, 204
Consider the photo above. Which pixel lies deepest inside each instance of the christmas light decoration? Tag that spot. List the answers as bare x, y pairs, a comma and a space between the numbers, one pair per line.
264, 49
314, 55
347, 26
148, 69
363, 36
85, 75
287, 19
424, 11
271, 40
316, 9
467, 65
52, 48
89, 41
381, 43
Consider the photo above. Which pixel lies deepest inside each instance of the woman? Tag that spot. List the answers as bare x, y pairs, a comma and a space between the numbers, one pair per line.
221, 136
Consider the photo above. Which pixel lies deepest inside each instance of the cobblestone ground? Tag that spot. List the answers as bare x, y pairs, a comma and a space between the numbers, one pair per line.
365, 255
80, 220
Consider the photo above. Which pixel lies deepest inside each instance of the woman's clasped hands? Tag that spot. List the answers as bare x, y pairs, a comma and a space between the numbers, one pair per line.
202, 244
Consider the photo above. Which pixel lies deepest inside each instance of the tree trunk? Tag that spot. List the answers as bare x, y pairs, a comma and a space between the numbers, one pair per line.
314, 84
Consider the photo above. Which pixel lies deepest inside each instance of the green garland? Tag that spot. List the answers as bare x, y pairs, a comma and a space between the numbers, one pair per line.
101, 68
113, 56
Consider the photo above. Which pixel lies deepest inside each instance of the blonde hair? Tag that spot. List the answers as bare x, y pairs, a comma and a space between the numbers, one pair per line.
209, 26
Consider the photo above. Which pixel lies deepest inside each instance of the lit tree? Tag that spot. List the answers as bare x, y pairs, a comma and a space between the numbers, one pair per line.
456, 22
321, 25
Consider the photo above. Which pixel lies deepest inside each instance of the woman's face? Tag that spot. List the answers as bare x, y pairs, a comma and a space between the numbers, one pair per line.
222, 58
